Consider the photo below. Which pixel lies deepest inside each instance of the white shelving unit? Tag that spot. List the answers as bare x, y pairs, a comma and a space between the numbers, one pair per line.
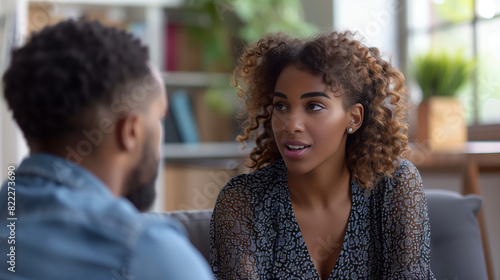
214, 150
153, 17
195, 79
199, 152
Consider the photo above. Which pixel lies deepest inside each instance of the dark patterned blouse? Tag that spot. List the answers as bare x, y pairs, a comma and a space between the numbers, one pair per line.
254, 233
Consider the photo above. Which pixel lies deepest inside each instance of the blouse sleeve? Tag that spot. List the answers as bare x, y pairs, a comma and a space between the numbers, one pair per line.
231, 227
407, 229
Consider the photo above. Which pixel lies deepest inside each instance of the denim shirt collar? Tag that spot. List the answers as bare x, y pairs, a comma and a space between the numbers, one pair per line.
62, 171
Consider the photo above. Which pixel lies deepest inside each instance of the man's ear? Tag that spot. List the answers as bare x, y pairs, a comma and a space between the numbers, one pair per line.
129, 131
355, 117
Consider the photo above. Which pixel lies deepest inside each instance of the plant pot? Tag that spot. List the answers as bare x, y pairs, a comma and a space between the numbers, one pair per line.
441, 123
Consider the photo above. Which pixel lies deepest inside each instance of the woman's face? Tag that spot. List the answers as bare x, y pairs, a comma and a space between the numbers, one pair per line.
309, 121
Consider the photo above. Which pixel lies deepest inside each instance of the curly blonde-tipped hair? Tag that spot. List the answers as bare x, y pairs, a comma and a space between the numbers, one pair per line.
356, 71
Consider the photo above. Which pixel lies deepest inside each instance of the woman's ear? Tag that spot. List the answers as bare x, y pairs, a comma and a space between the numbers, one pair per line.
355, 117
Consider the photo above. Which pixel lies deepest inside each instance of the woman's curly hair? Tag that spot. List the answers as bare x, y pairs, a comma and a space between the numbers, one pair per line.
348, 67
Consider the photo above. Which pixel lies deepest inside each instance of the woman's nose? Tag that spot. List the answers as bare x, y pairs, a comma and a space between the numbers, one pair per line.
293, 123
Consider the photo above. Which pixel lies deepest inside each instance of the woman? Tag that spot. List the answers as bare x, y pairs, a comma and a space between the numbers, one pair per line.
330, 197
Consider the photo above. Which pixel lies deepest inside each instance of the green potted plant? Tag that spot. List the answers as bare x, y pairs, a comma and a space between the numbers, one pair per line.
440, 75
220, 26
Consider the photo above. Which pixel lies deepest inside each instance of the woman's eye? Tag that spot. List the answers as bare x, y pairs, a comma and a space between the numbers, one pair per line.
314, 107
279, 107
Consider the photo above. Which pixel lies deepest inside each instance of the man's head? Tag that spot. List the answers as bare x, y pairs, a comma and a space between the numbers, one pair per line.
88, 93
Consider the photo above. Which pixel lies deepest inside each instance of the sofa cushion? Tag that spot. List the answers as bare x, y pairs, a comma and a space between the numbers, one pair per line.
456, 246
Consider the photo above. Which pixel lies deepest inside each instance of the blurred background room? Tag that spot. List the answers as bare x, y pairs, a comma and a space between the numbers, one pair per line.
447, 49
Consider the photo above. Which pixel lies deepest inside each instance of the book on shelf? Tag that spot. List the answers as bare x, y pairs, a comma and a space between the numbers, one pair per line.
171, 132
181, 51
170, 47
182, 112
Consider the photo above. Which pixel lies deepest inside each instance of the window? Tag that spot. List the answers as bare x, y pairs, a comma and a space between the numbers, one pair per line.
376, 21
470, 26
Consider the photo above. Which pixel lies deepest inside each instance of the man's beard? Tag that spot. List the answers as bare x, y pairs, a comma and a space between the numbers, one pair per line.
140, 185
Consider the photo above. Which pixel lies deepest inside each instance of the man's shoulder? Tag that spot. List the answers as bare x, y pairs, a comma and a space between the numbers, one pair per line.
158, 233
161, 221
163, 251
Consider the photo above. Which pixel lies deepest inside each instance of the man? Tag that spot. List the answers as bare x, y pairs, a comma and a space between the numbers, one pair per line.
90, 107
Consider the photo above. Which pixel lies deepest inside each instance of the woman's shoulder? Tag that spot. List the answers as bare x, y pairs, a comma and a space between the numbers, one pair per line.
406, 171
406, 176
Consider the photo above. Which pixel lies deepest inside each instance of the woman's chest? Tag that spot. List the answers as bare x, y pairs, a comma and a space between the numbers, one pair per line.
306, 245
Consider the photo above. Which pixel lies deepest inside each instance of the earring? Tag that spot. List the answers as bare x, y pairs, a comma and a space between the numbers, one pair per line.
350, 130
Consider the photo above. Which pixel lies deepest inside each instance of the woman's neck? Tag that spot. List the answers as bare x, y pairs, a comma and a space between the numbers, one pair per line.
320, 189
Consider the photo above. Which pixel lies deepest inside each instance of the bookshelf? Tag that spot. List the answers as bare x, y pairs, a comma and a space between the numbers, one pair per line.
35, 14
195, 172
193, 86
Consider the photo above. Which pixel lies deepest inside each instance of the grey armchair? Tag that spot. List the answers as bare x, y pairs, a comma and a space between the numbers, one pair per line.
456, 248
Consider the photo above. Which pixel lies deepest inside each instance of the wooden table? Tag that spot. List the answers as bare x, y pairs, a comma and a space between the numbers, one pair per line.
472, 159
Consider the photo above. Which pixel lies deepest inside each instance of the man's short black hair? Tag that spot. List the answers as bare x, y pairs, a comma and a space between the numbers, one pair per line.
67, 68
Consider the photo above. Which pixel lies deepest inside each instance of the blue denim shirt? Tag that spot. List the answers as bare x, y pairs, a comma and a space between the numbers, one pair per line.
70, 226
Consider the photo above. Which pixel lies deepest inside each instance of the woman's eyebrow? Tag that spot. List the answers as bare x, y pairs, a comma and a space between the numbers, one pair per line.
303, 96
314, 94
279, 94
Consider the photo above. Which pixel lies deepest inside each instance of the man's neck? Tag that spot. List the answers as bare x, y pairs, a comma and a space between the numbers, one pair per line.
106, 167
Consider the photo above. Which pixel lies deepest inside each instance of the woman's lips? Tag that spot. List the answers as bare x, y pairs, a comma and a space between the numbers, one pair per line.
295, 149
